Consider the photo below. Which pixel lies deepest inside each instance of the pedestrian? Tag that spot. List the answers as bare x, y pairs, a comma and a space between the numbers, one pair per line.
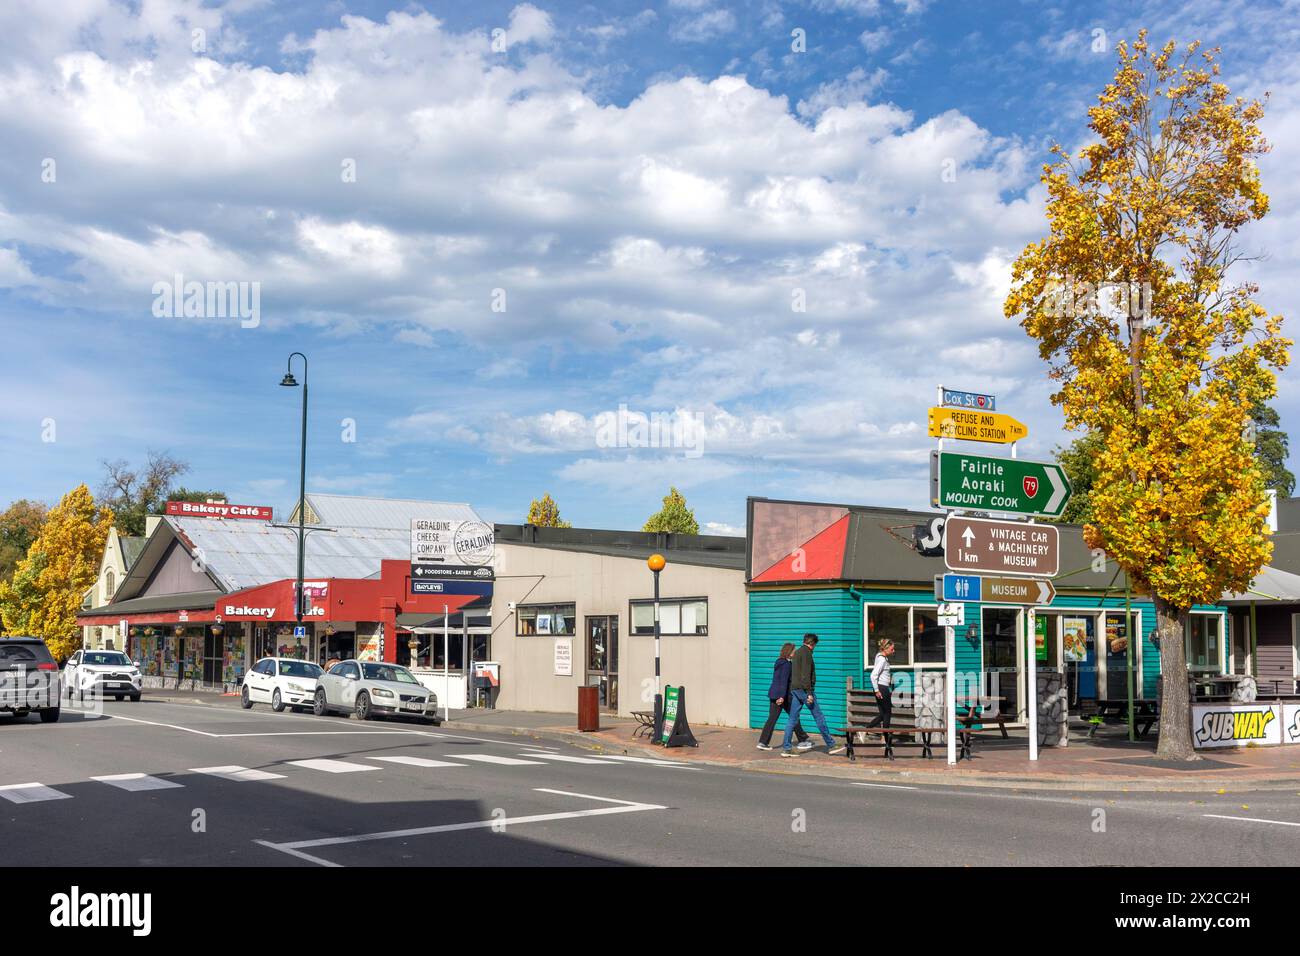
803, 680
882, 683
778, 699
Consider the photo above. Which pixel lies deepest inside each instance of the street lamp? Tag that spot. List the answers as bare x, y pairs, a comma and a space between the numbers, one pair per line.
656, 564
291, 382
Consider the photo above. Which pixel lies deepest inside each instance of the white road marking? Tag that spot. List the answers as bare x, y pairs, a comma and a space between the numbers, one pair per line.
417, 761
332, 766
236, 773
1281, 823
654, 762
566, 758
31, 793
621, 806
503, 761
137, 781
885, 786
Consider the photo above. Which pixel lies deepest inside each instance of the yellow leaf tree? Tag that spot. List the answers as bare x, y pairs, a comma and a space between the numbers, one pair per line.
545, 513
1156, 346
61, 564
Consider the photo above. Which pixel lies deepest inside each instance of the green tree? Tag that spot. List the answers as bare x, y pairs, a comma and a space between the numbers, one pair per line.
674, 516
1271, 449
19, 525
545, 513
22, 596
185, 494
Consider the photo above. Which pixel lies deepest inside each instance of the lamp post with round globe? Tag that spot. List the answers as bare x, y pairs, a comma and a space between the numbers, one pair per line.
656, 564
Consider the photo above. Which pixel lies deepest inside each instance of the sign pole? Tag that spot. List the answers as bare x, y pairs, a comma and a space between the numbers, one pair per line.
1031, 679
950, 692
656, 564
446, 678
1128, 663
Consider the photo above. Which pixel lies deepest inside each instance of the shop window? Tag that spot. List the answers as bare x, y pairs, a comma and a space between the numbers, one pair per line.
546, 619
678, 617
1204, 646
914, 629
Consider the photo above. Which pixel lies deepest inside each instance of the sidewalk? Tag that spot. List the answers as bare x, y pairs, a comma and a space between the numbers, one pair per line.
1108, 763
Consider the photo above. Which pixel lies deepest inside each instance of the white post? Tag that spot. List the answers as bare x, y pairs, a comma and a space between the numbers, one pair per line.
1031, 681
446, 675
950, 693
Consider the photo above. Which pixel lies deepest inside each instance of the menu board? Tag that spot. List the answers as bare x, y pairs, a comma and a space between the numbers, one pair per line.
1074, 637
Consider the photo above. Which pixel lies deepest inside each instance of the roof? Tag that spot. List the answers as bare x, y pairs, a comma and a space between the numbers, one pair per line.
1271, 585
186, 601
132, 548
704, 550
390, 513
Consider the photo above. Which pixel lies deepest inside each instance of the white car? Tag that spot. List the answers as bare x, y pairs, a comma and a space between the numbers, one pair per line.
374, 689
101, 673
281, 682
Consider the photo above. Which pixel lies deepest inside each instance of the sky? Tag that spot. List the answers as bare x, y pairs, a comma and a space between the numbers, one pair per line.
490, 227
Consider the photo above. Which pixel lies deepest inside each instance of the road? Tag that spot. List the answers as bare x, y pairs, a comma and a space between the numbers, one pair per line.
155, 783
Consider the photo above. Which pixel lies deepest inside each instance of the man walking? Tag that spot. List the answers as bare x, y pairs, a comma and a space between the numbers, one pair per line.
803, 680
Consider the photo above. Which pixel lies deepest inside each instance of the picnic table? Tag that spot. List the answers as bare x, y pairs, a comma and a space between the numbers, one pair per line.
1146, 712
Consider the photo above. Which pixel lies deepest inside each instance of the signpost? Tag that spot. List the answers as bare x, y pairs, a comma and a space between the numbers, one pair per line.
976, 426
990, 590
959, 481
960, 399
983, 546
952, 615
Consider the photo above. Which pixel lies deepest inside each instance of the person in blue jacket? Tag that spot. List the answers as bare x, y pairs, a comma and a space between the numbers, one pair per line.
778, 697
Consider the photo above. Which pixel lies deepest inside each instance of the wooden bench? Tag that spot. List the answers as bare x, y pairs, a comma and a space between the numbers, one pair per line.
645, 722
861, 707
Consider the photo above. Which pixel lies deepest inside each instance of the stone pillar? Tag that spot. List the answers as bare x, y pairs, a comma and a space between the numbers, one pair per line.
1053, 709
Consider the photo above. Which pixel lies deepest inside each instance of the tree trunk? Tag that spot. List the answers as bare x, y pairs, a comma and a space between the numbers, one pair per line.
1175, 704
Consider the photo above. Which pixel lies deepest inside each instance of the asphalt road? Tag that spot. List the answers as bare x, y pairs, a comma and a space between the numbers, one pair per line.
207, 785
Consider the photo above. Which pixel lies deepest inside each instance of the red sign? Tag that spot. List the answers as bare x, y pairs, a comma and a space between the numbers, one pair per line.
1031, 485
203, 509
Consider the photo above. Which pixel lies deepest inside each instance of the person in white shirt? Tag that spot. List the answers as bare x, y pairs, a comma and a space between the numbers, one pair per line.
882, 682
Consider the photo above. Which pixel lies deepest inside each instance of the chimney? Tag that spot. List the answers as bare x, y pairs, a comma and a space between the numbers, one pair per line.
1272, 510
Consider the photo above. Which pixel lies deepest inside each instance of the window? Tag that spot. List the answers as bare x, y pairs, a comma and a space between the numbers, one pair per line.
1204, 647
541, 619
677, 617
914, 629
108, 584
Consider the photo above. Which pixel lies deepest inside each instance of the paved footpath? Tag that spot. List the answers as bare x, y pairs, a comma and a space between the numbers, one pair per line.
181, 783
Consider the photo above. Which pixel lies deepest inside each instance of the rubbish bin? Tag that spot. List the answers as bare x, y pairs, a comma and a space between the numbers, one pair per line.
588, 709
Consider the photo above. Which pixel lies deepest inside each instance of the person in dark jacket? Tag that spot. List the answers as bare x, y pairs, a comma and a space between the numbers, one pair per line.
778, 697
803, 681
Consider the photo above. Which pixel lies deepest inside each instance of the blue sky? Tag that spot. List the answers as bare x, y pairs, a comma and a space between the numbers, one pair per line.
648, 185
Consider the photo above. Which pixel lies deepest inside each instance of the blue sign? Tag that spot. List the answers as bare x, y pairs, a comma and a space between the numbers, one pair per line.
956, 399
299, 630
960, 587
478, 588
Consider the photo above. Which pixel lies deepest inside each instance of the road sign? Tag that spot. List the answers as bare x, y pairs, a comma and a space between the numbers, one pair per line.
1018, 591
952, 615
980, 483
970, 425
958, 587
959, 399
980, 546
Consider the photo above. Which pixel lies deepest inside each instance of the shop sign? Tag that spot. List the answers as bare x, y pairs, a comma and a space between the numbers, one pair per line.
204, 509
952, 615
1235, 725
443, 543
563, 657
453, 572
979, 545
1291, 723
479, 588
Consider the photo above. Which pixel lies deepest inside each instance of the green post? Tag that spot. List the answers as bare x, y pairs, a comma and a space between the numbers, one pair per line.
1128, 628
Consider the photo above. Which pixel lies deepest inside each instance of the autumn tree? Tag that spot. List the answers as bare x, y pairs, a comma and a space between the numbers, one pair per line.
1153, 347
674, 516
61, 564
19, 525
131, 493
545, 513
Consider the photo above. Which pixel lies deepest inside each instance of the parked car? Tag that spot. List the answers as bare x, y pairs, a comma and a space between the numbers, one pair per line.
281, 682
29, 678
374, 689
101, 673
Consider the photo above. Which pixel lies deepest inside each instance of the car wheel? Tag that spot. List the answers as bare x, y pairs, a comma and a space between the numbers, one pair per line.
319, 707
117, 697
245, 701
135, 698
277, 703
49, 715
363, 706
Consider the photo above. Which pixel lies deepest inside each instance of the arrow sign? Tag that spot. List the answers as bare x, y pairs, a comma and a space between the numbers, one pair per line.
980, 546
969, 425
1018, 591
1011, 485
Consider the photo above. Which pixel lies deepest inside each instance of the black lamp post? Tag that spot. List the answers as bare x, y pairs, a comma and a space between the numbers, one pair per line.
290, 381
656, 564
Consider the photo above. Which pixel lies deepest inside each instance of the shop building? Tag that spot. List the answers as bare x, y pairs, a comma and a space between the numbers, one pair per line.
574, 607
209, 595
854, 574
120, 552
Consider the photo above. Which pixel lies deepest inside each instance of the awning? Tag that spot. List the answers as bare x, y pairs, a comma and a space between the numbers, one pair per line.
1269, 586
160, 604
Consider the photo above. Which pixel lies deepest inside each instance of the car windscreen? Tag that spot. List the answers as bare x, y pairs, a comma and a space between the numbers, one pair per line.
299, 669
105, 659
25, 654
388, 672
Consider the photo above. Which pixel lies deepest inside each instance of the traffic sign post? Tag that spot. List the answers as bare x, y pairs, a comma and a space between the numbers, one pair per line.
959, 481
956, 398
970, 425
983, 546
986, 590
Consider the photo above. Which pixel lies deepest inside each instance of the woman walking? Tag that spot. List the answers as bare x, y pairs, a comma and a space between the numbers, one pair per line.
778, 697
882, 682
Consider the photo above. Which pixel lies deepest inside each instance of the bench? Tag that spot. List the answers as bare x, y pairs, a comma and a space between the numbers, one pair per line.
861, 707
645, 722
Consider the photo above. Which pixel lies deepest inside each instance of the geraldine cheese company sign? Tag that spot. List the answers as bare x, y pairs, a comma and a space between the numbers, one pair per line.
1240, 725
218, 509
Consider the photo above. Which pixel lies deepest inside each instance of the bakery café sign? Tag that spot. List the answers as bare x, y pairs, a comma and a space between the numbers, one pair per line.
218, 509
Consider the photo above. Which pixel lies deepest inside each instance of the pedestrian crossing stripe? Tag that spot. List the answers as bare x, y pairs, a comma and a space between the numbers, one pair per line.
134, 782
565, 758
31, 793
503, 761
332, 766
417, 761
237, 773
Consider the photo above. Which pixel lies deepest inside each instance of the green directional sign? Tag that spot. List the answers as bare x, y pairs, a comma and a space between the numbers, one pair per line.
1012, 485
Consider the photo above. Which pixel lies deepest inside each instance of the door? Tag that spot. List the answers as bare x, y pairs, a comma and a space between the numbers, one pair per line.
213, 659
602, 658
1003, 654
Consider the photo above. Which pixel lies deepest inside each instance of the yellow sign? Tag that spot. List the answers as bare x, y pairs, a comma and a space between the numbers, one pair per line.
969, 425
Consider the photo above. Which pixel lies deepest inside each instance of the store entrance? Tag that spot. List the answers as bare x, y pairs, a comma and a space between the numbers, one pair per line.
602, 658
213, 658
1003, 652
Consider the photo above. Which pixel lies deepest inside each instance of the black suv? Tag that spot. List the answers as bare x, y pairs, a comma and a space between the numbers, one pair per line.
29, 678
